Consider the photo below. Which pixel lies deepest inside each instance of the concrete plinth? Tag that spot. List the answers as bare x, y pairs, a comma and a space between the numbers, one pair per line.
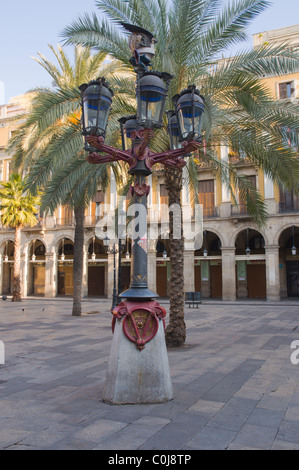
134, 376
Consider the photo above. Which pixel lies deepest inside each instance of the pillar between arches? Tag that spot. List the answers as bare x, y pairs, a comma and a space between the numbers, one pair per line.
272, 272
228, 273
50, 275
189, 284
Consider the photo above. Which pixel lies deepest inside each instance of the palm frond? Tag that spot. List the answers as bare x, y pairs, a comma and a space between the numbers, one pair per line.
229, 27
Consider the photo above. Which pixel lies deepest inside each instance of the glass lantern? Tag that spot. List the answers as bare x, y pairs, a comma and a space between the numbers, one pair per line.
152, 90
173, 130
189, 108
127, 126
96, 104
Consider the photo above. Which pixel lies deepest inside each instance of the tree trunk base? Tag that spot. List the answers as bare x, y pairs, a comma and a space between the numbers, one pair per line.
175, 335
76, 312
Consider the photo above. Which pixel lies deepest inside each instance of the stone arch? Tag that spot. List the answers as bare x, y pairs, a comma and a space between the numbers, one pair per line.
54, 245
4, 244
256, 241
162, 245
216, 232
252, 227
34, 242
211, 243
95, 244
282, 229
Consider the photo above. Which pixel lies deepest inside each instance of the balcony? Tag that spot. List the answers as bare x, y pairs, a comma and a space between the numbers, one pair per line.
64, 222
239, 210
211, 212
91, 220
204, 164
288, 207
240, 160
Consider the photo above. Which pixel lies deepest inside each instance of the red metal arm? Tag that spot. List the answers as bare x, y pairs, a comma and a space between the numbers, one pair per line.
113, 153
172, 157
140, 152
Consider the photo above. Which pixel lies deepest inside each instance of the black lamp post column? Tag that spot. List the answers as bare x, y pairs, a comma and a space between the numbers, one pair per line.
139, 282
114, 294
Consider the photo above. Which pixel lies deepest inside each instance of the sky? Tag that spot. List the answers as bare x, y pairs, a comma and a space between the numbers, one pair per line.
29, 26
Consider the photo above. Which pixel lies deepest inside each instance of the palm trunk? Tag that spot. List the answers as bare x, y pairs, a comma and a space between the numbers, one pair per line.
16, 283
78, 260
176, 329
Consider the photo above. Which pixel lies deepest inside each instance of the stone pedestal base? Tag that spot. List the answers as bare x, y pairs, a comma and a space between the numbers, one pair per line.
136, 376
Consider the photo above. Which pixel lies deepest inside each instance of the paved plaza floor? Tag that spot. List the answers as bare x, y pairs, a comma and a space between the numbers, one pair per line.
235, 382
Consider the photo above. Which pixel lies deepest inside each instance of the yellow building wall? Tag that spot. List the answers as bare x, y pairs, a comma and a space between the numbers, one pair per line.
4, 133
273, 82
261, 184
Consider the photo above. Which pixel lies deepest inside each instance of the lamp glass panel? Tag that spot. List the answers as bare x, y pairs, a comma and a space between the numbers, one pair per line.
151, 102
96, 114
185, 116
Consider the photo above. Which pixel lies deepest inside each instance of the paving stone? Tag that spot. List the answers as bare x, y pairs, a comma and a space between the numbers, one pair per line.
206, 407
211, 438
254, 436
100, 430
288, 431
176, 434
284, 445
264, 417
233, 414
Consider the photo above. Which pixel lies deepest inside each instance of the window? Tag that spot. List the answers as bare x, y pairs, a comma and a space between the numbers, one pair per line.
96, 202
206, 197
289, 201
243, 193
163, 194
286, 90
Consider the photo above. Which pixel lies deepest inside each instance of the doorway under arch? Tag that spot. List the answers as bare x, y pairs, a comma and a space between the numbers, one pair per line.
97, 268
289, 262
7, 267
37, 268
65, 267
208, 267
250, 264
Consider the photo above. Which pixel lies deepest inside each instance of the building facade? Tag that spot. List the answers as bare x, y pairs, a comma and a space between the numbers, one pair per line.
222, 268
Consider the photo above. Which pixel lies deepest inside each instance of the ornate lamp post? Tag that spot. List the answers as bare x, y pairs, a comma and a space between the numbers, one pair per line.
138, 370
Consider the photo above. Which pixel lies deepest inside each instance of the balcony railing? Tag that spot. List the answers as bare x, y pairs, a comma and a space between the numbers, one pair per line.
240, 210
236, 159
287, 207
210, 212
91, 220
64, 221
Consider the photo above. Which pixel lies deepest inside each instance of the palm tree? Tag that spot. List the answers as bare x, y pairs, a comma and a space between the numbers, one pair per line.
191, 35
18, 209
49, 144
